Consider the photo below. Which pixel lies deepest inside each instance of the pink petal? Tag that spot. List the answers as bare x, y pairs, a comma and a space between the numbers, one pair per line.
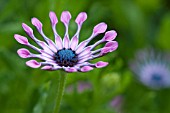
46, 67
112, 44
81, 47
33, 64
101, 64
86, 69
85, 56
58, 42
108, 49
74, 43
53, 18
83, 59
110, 35
27, 29
71, 69
65, 17
21, 39
56, 67
81, 18
66, 42
85, 51
37, 23
43, 53
23, 53
52, 45
42, 57
100, 28
46, 48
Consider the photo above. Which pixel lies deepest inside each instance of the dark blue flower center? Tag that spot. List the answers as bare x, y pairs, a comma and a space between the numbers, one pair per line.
66, 57
156, 77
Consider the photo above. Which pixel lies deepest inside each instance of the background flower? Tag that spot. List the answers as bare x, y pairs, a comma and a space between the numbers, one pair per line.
152, 69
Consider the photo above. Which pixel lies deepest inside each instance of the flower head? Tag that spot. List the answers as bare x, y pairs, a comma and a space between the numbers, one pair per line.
66, 53
152, 69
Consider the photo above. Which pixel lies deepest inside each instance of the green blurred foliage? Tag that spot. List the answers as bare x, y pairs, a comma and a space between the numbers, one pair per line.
139, 24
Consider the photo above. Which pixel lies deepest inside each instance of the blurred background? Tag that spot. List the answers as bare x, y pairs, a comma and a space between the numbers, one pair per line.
114, 89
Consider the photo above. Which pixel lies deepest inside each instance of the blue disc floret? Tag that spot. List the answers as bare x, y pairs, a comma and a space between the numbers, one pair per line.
66, 57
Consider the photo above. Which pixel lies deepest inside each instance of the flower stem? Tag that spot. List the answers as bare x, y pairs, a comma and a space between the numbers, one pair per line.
60, 92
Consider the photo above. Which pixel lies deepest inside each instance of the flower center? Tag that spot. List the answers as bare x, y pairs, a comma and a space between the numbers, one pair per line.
156, 77
66, 57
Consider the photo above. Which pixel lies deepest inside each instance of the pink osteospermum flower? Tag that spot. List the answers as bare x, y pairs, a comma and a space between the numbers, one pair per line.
66, 54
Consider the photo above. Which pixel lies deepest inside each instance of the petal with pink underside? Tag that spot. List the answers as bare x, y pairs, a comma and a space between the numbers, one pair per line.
46, 54
101, 64
46, 67
85, 52
27, 29
21, 39
58, 42
37, 23
71, 69
86, 69
24, 53
83, 59
56, 67
52, 45
110, 35
108, 49
53, 18
100, 28
74, 43
66, 42
81, 46
85, 56
112, 44
33, 64
42, 57
46, 48
65, 17
81, 18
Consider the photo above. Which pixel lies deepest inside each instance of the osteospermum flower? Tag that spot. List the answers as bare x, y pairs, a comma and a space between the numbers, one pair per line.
152, 69
66, 53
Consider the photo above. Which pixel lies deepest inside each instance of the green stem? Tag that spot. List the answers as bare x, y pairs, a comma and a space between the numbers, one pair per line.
60, 92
